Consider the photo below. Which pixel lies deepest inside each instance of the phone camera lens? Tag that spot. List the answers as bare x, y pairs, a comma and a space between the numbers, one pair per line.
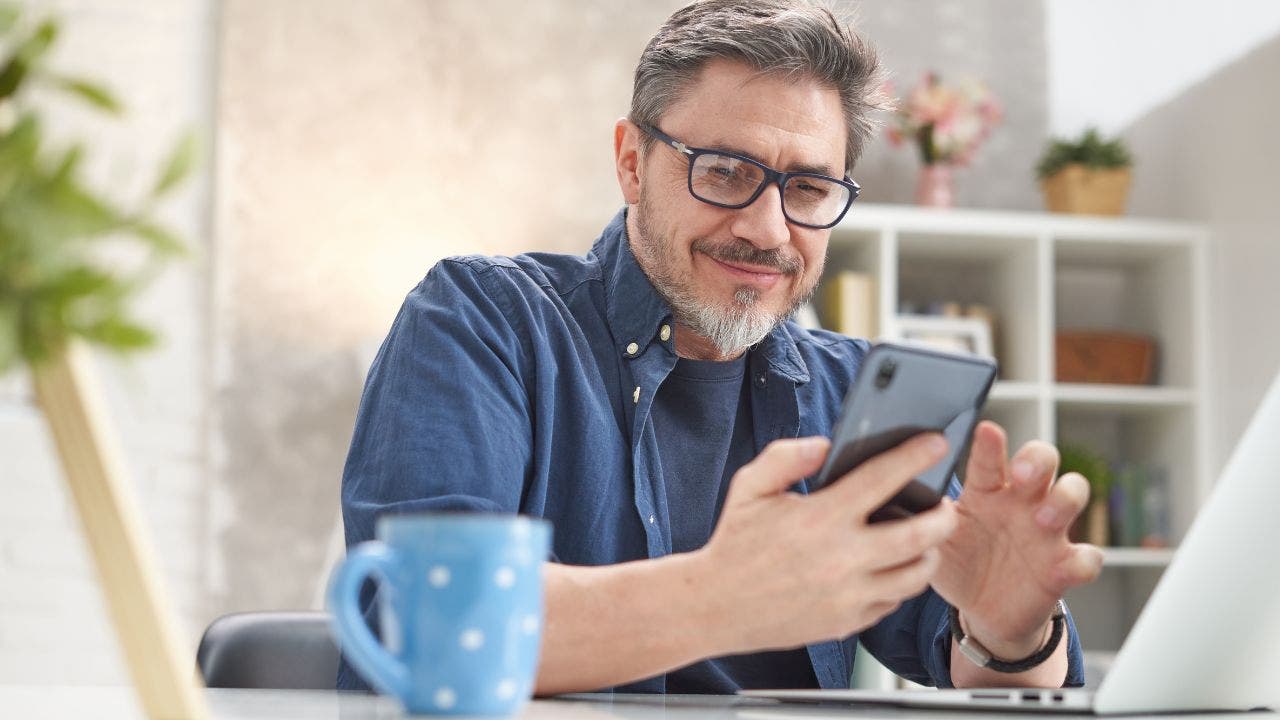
884, 375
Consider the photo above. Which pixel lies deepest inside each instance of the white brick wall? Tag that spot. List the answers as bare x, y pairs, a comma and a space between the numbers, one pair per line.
158, 58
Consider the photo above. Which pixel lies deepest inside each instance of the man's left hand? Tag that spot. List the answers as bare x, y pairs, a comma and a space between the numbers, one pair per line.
1009, 559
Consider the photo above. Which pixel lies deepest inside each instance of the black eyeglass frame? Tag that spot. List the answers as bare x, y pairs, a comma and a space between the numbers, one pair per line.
771, 177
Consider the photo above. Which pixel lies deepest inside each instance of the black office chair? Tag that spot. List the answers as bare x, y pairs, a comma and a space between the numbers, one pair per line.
276, 650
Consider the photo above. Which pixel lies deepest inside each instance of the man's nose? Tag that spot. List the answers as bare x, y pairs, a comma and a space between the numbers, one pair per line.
762, 223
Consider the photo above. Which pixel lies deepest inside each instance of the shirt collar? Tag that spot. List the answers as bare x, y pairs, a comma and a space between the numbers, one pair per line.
637, 312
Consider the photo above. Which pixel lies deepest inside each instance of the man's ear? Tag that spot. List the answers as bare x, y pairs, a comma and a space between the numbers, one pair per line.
626, 156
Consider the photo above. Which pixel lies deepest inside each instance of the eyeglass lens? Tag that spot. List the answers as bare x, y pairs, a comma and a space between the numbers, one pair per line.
726, 180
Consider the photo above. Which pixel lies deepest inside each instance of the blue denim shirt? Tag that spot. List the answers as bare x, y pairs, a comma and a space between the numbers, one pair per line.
511, 385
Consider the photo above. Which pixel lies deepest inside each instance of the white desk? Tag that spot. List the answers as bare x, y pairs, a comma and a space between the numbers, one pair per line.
118, 703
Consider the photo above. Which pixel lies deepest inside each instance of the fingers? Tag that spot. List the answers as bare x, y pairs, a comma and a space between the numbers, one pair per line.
908, 579
1080, 566
1032, 470
877, 480
987, 469
900, 541
780, 465
1067, 498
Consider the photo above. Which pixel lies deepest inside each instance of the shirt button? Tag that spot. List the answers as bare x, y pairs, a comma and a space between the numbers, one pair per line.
635, 396
760, 380
652, 519
665, 333
632, 349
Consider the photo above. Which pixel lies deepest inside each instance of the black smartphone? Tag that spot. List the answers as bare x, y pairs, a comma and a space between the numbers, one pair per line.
900, 392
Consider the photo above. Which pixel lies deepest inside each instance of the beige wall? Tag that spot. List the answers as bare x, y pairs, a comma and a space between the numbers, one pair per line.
357, 148
1209, 155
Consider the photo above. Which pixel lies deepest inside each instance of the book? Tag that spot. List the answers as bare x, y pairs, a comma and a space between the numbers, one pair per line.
849, 304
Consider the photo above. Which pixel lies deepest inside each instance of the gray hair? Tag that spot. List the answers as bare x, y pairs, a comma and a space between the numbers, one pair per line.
793, 38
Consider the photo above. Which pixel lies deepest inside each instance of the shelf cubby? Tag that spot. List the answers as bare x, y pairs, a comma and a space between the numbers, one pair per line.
1040, 273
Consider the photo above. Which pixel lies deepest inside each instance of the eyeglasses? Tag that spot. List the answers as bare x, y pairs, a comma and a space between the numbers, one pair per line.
733, 181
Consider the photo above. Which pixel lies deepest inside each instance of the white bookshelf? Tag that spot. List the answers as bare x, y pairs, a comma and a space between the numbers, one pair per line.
1038, 273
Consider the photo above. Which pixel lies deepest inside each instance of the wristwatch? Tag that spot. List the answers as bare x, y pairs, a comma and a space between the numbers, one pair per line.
983, 658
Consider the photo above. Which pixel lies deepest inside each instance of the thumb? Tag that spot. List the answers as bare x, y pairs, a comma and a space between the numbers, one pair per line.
777, 467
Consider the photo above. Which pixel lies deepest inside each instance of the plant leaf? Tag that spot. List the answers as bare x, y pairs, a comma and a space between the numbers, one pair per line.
67, 166
9, 351
78, 282
25, 57
92, 93
11, 77
119, 334
35, 46
178, 166
160, 239
9, 14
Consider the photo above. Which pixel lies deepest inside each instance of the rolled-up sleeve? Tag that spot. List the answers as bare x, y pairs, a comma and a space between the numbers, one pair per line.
444, 418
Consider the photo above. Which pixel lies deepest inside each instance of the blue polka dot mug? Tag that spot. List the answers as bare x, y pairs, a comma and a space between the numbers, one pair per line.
460, 610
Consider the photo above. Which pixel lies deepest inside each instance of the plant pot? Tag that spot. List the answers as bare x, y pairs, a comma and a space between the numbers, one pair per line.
1087, 191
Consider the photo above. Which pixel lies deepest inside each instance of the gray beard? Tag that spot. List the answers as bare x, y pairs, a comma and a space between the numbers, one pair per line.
732, 329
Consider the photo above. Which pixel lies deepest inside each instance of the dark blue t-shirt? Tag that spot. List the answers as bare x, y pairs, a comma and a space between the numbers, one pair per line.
702, 417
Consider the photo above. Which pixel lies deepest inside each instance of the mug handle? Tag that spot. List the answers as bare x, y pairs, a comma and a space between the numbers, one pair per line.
367, 655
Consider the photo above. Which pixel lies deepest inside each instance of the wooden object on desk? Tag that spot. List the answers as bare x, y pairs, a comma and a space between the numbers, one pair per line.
163, 672
849, 304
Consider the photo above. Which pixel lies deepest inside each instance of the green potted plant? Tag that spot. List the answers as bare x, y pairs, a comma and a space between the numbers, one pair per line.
1093, 526
1090, 175
64, 282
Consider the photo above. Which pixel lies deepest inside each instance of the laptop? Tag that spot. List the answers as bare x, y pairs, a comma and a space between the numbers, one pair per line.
1208, 638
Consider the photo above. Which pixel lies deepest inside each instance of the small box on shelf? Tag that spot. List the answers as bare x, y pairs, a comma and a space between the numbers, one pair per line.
1091, 356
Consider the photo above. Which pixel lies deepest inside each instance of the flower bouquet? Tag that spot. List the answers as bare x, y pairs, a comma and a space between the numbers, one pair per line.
948, 124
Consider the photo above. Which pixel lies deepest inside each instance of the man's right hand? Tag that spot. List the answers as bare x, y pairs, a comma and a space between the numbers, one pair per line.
781, 570
790, 569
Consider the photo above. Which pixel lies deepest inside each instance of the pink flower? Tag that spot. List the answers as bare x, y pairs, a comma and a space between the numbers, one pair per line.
949, 123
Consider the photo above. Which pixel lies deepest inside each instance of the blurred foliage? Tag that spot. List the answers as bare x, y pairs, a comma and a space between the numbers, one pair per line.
1092, 465
55, 232
1091, 150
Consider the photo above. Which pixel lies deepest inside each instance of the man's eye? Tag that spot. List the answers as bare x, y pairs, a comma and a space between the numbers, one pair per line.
808, 191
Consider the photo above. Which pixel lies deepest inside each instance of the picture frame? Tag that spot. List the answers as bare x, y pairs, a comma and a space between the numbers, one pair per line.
952, 334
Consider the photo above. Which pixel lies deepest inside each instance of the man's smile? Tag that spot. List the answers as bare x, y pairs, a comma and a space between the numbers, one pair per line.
761, 277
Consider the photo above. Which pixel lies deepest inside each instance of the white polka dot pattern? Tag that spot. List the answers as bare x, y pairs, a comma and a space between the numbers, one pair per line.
529, 624
471, 639
438, 576
506, 689
445, 698
505, 577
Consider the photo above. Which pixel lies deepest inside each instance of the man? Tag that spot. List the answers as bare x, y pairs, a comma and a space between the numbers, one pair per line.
651, 399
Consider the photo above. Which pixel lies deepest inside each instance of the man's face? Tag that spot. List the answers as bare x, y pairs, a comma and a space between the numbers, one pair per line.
732, 275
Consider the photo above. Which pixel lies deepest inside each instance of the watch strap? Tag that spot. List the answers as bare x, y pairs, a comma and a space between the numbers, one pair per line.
983, 658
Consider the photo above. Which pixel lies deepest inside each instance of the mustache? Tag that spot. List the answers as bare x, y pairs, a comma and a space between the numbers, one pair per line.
744, 252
